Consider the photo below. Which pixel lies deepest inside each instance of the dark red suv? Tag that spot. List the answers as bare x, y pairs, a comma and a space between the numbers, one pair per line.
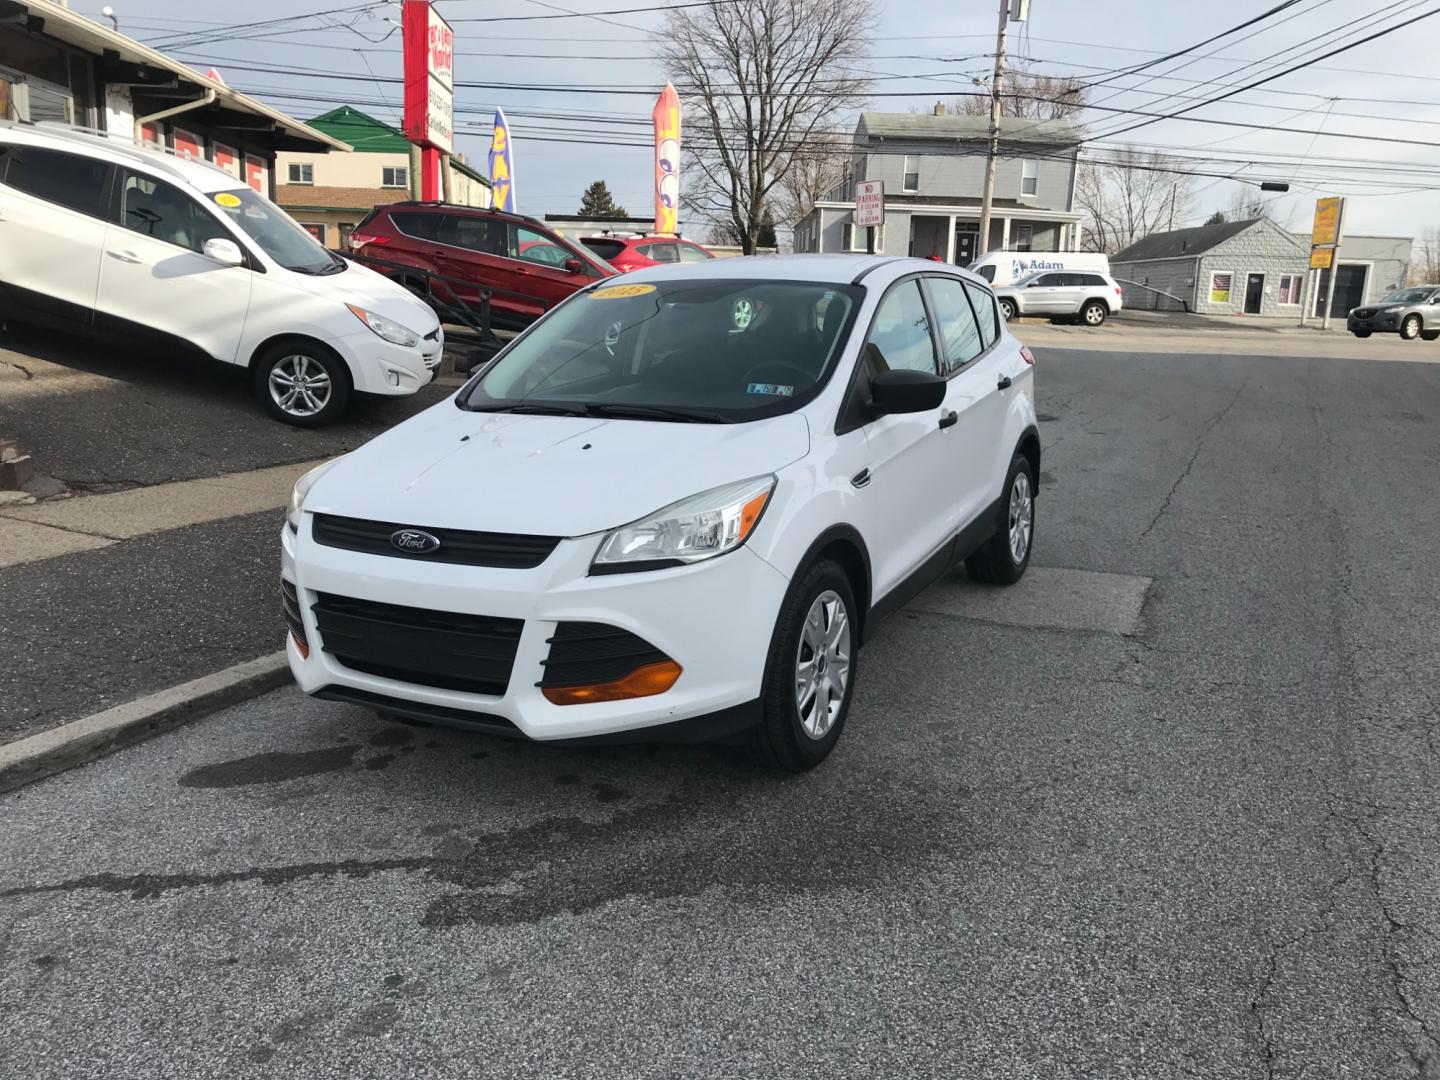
626, 253
529, 268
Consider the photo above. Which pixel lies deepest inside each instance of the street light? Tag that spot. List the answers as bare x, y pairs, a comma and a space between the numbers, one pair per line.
109, 13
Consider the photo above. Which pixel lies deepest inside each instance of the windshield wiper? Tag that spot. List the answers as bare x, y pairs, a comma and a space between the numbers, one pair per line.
536, 408
657, 412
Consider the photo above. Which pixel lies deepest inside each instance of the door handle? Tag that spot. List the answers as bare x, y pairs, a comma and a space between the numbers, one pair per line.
949, 419
1004, 383
124, 256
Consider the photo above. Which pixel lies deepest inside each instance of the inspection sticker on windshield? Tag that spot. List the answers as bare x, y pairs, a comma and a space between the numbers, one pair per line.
621, 292
770, 389
225, 199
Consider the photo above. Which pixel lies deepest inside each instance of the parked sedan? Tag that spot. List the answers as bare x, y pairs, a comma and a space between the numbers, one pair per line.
1089, 298
1411, 313
627, 253
676, 508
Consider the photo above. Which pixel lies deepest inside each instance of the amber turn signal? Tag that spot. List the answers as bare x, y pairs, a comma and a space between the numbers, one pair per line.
300, 646
644, 681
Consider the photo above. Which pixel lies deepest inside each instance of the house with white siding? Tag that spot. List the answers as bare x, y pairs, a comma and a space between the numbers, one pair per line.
933, 168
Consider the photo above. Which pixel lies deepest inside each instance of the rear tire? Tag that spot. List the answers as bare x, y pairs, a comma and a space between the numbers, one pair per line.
810, 672
1003, 558
1410, 327
302, 383
1094, 313
1429, 335
1007, 309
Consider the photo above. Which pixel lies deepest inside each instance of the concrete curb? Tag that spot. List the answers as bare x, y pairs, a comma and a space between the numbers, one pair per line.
50, 752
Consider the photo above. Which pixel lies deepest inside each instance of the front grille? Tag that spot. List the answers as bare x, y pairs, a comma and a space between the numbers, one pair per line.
290, 605
507, 551
1364, 313
583, 653
421, 710
444, 649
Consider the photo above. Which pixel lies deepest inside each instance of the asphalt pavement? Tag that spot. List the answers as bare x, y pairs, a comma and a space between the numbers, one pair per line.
1191, 834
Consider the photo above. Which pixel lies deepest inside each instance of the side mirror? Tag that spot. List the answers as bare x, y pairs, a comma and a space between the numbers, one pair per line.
1031, 284
906, 392
225, 252
574, 266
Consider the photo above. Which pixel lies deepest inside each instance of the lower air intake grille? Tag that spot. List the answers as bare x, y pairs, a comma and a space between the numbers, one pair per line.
582, 653
448, 650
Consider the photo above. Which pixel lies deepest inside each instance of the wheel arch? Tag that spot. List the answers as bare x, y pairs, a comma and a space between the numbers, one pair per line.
1029, 445
308, 340
1097, 300
844, 545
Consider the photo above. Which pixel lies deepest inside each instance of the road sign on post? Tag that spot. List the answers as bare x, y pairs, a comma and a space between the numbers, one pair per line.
870, 209
1324, 243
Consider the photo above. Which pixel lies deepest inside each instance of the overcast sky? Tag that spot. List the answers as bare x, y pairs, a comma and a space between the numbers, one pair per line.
934, 45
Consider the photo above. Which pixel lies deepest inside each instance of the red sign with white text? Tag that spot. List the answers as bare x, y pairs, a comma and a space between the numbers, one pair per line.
429, 76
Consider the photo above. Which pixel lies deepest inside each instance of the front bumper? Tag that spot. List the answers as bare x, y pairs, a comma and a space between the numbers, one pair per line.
378, 366
714, 619
1381, 322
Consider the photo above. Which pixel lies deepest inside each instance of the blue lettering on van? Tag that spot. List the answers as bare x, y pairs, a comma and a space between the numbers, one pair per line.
1021, 267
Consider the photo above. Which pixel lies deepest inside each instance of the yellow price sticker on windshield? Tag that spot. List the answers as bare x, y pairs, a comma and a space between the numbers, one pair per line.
621, 292
225, 199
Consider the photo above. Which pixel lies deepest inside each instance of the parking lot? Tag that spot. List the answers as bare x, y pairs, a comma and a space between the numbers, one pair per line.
1168, 809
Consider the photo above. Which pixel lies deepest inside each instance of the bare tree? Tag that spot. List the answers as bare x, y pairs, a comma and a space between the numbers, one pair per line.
1425, 261
1246, 204
763, 81
812, 176
1127, 197
1031, 96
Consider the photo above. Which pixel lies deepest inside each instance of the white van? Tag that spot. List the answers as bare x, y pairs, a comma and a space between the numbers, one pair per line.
1005, 267
105, 238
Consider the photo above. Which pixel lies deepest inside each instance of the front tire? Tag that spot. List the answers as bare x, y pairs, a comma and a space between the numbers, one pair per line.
1007, 309
1361, 333
1003, 558
302, 384
1094, 313
810, 673
1410, 327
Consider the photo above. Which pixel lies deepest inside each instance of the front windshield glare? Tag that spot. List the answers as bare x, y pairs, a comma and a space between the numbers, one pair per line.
718, 350
1408, 296
276, 233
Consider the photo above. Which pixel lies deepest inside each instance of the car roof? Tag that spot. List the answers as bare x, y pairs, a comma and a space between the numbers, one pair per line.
456, 208
838, 269
122, 150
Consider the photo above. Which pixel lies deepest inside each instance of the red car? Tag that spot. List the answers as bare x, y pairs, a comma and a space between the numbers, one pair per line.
529, 267
634, 252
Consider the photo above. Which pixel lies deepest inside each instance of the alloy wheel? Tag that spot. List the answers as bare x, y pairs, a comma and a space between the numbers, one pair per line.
300, 385
1022, 516
822, 664
1094, 314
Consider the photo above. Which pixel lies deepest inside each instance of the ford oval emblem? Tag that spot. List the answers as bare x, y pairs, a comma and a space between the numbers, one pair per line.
414, 542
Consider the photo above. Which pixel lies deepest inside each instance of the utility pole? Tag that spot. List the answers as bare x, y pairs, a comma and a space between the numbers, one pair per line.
995, 87
1173, 188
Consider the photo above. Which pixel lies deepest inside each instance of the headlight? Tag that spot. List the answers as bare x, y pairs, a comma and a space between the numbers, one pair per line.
388, 329
690, 530
300, 490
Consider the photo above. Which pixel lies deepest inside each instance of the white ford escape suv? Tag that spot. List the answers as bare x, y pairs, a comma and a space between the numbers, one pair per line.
674, 507
100, 235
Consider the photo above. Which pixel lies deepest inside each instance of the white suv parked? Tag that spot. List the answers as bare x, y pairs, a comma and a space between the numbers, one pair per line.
1084, 296
673, 507
101, 236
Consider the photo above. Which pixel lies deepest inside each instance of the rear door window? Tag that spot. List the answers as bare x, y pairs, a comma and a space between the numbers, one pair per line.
986, 314
661, 252
156, 209
483, 234
68, 180
959, 332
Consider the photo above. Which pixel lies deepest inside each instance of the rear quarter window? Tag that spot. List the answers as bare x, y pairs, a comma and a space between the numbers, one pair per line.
69, 180
420, 225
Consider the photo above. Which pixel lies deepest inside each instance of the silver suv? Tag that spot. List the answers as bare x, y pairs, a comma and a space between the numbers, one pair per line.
1085, 297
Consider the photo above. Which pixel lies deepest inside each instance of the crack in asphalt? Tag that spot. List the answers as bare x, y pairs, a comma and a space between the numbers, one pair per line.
1199, 445
20, 368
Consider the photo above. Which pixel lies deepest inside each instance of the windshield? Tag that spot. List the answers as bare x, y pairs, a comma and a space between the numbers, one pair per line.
1408, 296
716, 351
276, 232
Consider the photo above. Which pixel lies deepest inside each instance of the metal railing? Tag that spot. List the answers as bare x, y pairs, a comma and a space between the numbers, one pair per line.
450, 297
1152, 295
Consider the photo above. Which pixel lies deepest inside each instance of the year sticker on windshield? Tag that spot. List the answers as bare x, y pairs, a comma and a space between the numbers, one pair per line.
621, 292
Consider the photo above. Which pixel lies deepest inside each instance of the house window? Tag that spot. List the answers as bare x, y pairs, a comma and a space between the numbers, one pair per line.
1024, 237
315, 229
302, 172
1289, 289
911, 181
1029, 176
395, 176
854, 239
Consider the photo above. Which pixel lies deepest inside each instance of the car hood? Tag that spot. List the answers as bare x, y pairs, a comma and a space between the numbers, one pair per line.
363, 287
1377, 308
545, 475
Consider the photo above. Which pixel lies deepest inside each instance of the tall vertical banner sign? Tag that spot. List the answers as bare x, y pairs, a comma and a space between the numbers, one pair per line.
502, 164
667, 161
429, 88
